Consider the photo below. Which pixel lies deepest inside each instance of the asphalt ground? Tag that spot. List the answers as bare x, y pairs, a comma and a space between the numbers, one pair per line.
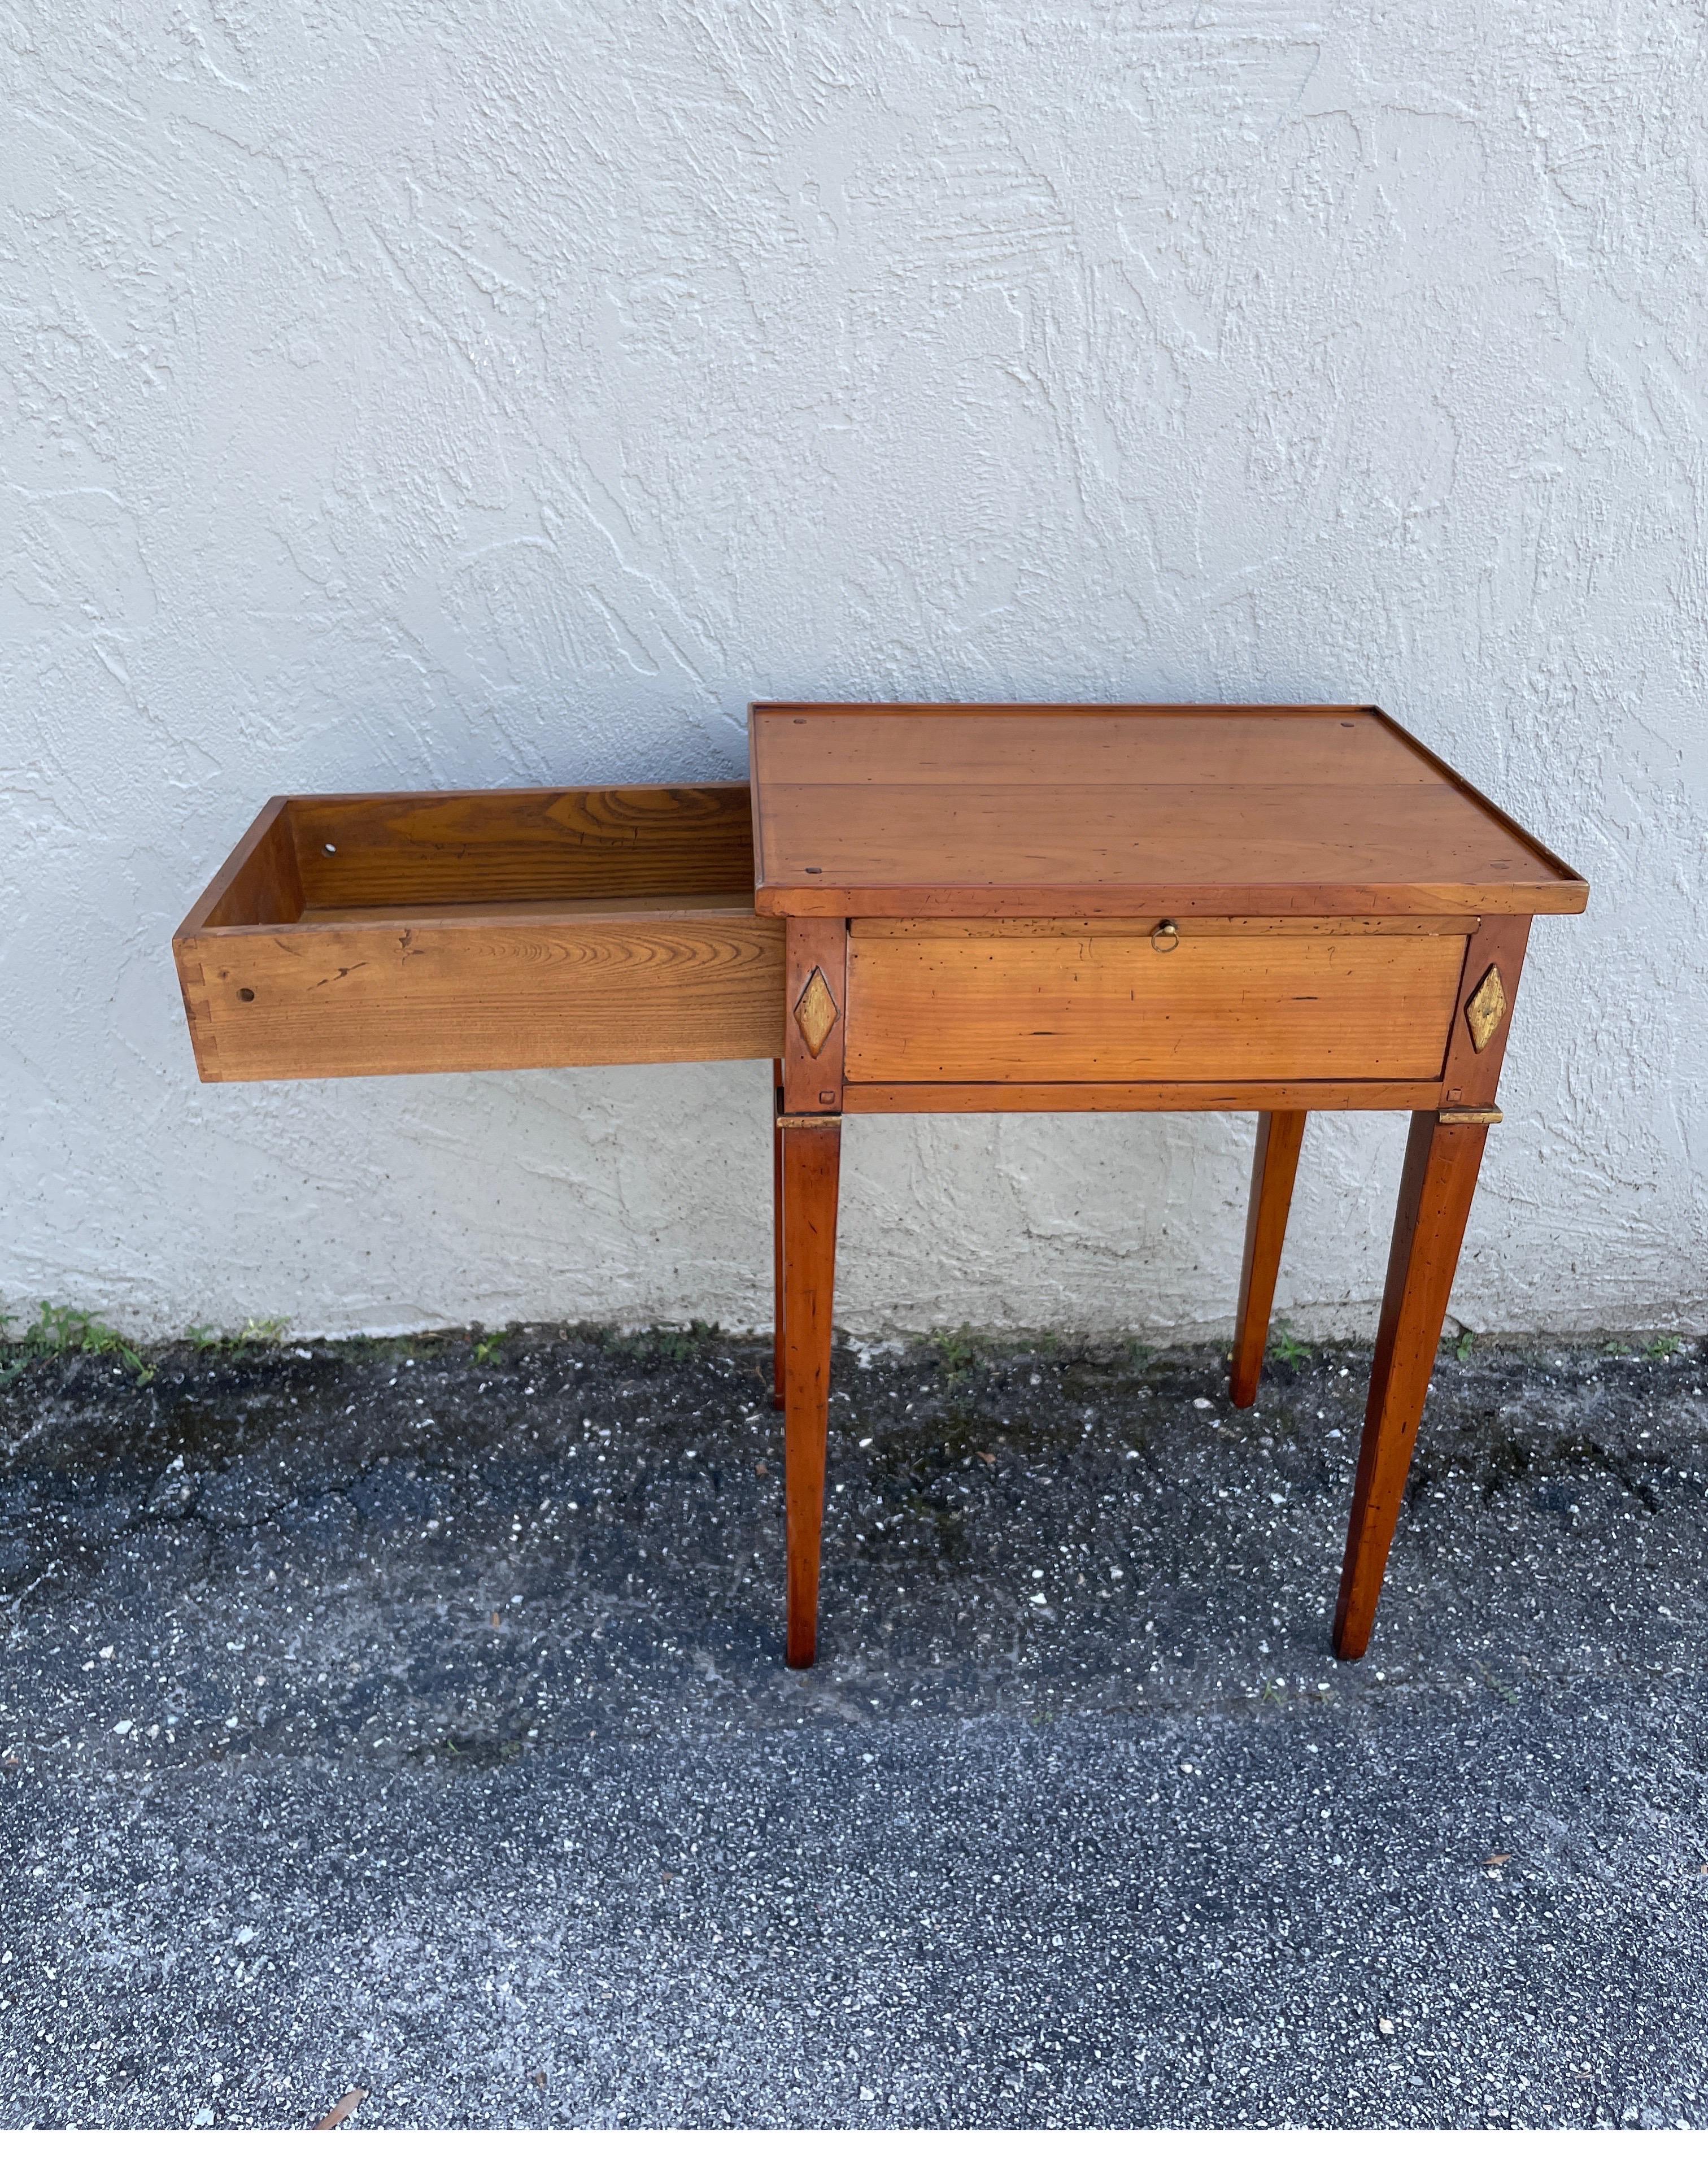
410, 1715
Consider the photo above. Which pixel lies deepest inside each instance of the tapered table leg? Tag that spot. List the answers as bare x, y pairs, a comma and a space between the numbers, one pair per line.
1274, 1164
1440, 1178
776, 1237
812, 1157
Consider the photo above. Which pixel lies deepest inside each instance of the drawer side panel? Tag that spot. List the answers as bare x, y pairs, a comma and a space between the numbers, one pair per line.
359, 852
400, 999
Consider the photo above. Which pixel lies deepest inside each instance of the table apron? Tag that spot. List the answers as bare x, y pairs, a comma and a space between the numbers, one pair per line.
1141, 1097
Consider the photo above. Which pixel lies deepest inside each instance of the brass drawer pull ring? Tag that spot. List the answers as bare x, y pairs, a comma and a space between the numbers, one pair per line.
1165, 937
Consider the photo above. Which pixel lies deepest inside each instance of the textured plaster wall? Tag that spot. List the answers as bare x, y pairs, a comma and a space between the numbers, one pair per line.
402, 396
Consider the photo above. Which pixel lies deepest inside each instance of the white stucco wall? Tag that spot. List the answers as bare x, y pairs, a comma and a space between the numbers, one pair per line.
403, 395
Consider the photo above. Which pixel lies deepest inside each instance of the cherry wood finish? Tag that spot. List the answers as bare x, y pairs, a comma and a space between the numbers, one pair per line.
1274, 1164
1084, 1006
1442, 1160
817, 946
812, 1163
968, 810
259, 881
1271, 1096
1156, 908
777, 1258
1471, 1077
1022, 745
502, 845
412, 934
920, 909
391, 999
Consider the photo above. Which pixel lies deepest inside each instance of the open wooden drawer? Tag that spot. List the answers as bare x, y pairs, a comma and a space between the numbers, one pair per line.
396, 935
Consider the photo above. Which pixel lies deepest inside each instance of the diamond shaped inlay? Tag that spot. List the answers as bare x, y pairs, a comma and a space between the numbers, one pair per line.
816, 1013
1486, 1009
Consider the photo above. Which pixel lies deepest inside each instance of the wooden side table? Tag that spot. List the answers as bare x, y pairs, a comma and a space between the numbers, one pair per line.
1034, 909
959, 908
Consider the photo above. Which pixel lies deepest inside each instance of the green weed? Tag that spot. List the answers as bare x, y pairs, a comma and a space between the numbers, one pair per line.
1499, 1688
1466, 1345
958, 1353
62, 1330
676, 1345
1284, 1348
257, 1331
1661, 1350
668, 1344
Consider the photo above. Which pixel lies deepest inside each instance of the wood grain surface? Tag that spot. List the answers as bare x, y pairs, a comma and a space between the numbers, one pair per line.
812, 1156
1304, 1096
1062, 1007
406, 999
971, 809
1022, 745
385, 934
812, 1082
1275, 1164
1437, 1186
258, 882
504, 846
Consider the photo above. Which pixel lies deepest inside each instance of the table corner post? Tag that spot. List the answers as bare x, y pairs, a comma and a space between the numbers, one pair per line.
809, 1159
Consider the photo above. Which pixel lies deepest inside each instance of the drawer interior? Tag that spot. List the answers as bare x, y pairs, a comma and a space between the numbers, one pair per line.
314, 857
356, 935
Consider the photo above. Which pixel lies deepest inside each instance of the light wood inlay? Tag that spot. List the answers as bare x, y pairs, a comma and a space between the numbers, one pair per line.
1486, 1009
816, 1013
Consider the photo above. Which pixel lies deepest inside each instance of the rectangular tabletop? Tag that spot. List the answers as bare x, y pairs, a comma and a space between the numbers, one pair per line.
1125, 810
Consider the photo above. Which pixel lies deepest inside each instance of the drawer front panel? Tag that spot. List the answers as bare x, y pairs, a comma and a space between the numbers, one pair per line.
965, 1004
423, 998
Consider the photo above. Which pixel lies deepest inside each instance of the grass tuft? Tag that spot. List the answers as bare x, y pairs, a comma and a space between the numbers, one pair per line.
958, 1353
1286, 1347
61, 1329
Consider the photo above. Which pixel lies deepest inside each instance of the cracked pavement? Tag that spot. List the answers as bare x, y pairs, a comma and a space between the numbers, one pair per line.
411, 1714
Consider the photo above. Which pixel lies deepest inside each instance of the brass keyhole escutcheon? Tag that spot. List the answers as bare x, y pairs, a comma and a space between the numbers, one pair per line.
1167, 937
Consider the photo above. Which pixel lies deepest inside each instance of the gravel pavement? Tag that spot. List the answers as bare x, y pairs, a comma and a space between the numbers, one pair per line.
409, 1715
